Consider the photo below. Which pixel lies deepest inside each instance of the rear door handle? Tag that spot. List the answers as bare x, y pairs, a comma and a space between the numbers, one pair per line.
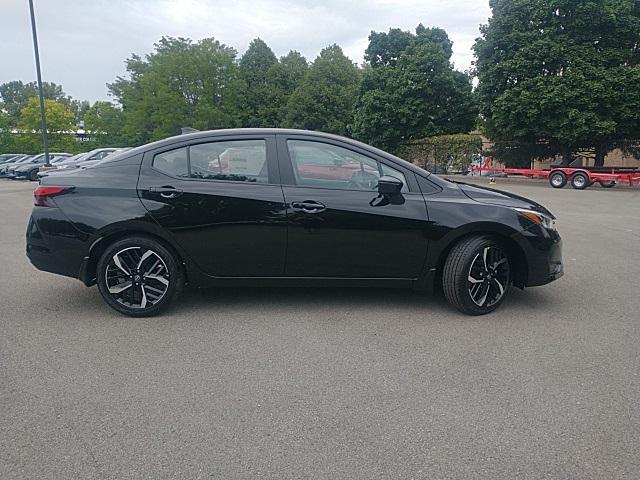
166, 191
308, 206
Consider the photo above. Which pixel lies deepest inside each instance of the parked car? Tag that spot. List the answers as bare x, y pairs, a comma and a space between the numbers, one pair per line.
91, 163
241, 207
11, 158
29, 170
4, 168
73, 162
7, 157
96, 154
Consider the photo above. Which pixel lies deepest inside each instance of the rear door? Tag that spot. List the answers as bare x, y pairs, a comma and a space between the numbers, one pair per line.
338, 224
221, 199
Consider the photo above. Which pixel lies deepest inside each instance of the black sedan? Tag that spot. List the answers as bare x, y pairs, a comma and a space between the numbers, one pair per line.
283, 207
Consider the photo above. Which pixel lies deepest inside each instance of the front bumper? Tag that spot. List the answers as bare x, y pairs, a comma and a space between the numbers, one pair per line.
20, 175
543, 255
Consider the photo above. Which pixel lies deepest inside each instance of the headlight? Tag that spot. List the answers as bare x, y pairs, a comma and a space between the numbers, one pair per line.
538, 218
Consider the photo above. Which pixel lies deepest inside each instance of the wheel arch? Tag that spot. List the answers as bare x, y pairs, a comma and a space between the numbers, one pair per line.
502, 234
88, 271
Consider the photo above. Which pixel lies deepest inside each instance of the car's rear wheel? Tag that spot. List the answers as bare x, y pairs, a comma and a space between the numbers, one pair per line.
139, 276
476, 275
557, 179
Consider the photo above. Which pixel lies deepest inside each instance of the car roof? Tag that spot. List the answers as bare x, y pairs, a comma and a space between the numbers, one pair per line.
268, 131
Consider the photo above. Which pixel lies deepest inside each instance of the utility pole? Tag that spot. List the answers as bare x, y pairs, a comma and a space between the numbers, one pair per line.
43, 116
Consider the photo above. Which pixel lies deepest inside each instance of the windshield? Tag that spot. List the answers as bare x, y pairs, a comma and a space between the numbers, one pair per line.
73, 159
26, 159
118, 154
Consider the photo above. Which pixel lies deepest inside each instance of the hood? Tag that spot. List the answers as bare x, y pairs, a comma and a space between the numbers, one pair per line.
24, 168
496, 197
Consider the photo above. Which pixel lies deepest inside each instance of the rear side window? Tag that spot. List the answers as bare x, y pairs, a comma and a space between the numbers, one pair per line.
235, 160
173, 162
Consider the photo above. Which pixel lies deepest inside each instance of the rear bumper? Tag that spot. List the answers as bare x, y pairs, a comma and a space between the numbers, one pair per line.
53, 244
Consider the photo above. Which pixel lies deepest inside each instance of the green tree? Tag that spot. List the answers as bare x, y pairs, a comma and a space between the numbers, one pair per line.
254, 67
559, 76
7, 138
325, 98
79, 108
413, 93
15, 95
283, 78
61, 127
182, 83
385, 48
103, 121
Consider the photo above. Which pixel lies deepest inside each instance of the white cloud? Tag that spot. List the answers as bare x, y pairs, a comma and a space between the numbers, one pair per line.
84, 44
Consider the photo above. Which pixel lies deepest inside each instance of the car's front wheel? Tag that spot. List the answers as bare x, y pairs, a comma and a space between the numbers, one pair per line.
476, 275
139, 276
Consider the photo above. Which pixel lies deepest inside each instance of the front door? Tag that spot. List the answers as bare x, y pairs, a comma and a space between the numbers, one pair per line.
338, 225
221, 200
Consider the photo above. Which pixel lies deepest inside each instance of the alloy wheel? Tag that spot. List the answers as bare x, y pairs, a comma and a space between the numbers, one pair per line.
488, 277
137, 277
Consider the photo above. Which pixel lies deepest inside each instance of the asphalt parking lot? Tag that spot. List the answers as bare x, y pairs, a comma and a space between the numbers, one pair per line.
306, 383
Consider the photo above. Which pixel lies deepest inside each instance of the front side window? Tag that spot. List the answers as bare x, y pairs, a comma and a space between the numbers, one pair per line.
317, 164
235, 160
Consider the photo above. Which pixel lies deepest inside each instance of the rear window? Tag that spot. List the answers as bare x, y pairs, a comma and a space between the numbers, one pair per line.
232, 160
173, 162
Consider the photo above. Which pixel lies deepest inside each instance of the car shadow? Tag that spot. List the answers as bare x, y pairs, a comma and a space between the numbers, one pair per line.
259, 300
308, 297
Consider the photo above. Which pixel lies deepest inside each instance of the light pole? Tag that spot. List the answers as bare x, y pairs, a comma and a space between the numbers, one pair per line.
43, 116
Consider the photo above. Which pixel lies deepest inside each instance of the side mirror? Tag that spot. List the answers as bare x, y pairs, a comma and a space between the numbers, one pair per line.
388, 185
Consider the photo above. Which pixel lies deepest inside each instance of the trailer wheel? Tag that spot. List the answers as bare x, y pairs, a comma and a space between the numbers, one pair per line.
580, 181
609, 184
557, 179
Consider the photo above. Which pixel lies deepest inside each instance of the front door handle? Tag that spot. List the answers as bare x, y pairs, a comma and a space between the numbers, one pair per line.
166, 191
308, 206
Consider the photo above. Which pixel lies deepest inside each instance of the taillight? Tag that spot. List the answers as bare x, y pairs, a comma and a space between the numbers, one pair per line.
44, 193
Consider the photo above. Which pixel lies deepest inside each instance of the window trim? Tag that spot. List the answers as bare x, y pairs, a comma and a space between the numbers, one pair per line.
289, 179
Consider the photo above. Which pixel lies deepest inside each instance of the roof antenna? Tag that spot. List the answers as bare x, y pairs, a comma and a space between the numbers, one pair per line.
184, 130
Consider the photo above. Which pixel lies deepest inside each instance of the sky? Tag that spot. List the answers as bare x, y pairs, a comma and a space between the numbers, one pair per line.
84, 43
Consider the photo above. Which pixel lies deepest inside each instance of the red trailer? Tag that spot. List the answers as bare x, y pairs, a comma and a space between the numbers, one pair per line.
579, 177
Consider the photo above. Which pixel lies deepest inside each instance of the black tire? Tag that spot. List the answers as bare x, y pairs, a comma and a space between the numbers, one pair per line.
459, 270
33, 175
164, 280
580, 181
557, 179
609, 184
